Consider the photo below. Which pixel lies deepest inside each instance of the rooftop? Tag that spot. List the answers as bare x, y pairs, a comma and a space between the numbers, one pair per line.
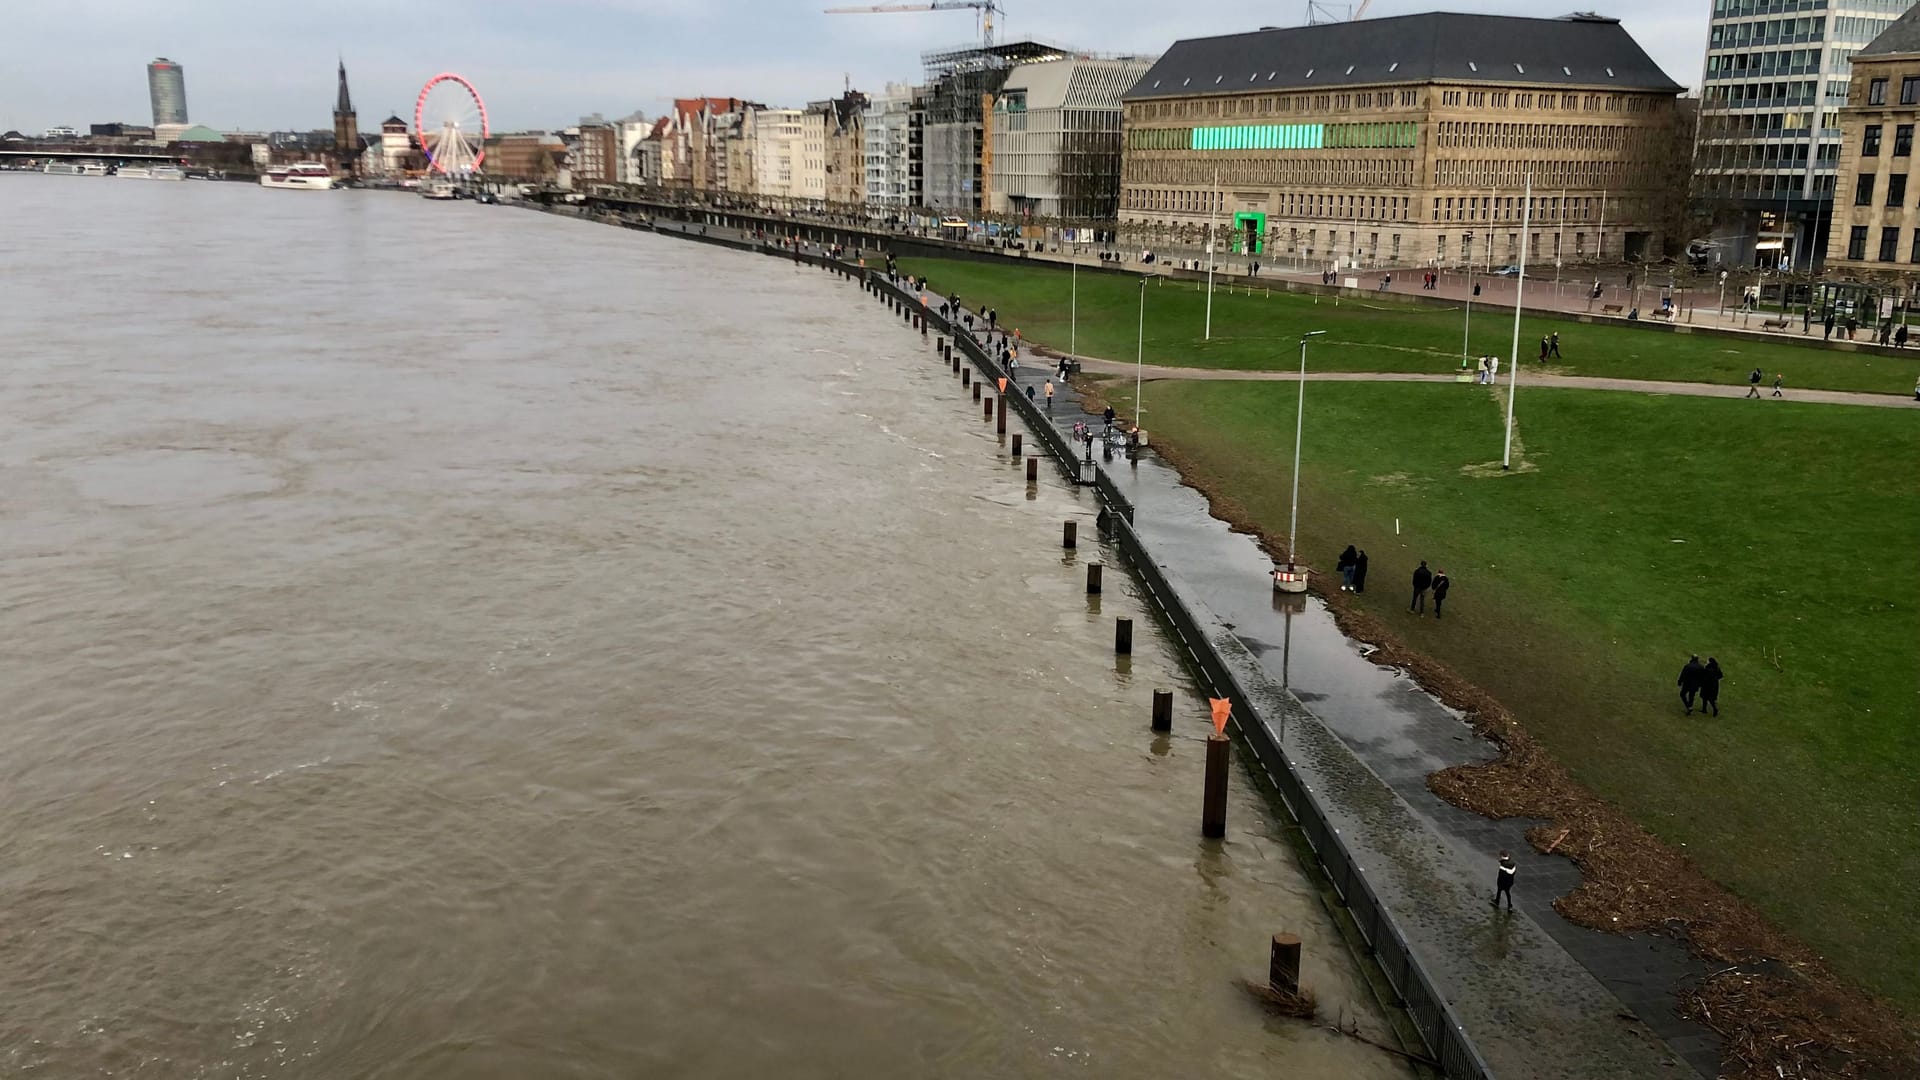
1902, 37
1573, 51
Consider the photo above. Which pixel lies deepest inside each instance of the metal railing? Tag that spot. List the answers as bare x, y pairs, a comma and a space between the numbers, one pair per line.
1440, 1029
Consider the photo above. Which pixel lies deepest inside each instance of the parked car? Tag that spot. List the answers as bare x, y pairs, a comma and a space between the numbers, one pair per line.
1507, 271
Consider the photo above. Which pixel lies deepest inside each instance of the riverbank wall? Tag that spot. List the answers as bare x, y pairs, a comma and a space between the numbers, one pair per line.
1416, 907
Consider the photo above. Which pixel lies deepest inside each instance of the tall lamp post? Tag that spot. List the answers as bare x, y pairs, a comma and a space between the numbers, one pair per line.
1140, 353
1519, 286
1291, 580
1466, 331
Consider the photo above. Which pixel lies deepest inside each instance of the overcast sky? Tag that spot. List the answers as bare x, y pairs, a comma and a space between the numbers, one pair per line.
254, 65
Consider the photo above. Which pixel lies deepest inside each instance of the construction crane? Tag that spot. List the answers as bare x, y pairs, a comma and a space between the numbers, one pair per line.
986, 8
1319, 11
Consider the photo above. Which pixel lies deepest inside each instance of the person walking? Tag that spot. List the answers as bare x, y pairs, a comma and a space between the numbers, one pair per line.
1710, 677
1108, 417
1689, 681
1553, 345
1360, 571
1345, 566
1422, 581
1900, 337
1778, 378
1753, 383
1493, 369
1441, 583
1503, 884
1826, 321
1543, 348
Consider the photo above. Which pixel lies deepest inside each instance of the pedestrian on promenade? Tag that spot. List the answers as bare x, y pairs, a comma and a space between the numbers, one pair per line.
1503, 885
1049, 397
1900, 337
993, 319
1689, 681
1753, 383
1553, 345
1441, 583
1360, 571
1029, 391
1886, 331
1777, 380
1422, 581
1013, 367
1108, 417
1345, 566
1710, 677
1256, 268
1826, 320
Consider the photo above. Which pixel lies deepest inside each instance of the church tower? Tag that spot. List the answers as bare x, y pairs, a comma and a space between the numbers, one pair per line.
346, 129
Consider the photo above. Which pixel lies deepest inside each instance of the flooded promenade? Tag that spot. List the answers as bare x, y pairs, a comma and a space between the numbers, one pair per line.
447, 641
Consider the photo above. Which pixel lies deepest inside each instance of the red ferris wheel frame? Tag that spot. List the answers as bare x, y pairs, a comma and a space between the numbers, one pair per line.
419, 118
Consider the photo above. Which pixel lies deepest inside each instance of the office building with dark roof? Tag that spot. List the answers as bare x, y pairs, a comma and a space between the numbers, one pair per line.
1405, 142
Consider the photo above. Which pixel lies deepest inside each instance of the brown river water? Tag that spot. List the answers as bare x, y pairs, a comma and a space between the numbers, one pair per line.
453, 641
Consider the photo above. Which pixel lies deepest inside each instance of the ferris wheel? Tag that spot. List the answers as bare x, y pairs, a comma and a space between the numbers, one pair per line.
450, 121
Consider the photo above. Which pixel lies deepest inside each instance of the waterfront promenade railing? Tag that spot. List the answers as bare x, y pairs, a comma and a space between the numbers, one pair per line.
1440, 1029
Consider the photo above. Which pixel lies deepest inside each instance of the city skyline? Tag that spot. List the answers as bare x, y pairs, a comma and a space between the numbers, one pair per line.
538, 70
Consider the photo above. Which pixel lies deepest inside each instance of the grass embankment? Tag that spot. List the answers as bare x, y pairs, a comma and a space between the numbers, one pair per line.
1256, 332
1778, 537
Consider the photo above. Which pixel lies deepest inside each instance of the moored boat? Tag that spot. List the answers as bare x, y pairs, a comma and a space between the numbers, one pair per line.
306, 176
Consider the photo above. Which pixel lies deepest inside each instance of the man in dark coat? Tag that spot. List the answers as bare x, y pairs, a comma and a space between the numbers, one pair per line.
1690, 678
1441, 583
1360, 571
1345, 567
1503, 883
1710, 677
1422, 580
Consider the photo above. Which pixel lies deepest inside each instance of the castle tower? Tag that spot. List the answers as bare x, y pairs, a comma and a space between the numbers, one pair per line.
346, 129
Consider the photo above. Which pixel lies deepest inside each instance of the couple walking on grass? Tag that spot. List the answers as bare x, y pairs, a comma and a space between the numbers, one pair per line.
1425, 580
1702, 681
1353, 570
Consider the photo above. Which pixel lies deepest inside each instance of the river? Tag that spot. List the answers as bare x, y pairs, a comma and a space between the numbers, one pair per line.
454, 641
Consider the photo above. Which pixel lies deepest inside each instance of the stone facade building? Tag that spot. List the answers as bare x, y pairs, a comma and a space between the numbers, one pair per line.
1876, 214
1391, 142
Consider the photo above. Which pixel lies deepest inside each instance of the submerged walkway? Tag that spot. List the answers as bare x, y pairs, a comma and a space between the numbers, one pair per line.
1529, 378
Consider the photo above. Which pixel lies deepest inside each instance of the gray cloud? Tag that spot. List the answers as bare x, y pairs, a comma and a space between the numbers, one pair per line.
254, 66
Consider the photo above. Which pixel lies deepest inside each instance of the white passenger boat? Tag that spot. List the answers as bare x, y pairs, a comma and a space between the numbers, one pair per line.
306, 176
166, 172
134, 172
93, 168
61, 168
437, 189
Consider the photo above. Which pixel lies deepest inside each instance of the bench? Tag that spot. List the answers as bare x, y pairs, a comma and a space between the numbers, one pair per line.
1611, 309
1660, 313
1774, 324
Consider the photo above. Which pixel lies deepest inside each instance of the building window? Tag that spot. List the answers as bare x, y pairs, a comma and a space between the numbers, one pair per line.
1870, 141
1857, 243
1914, 255
1889, 244
1903, 140
1910, 90
1863, 190
1877, 92
1897, 189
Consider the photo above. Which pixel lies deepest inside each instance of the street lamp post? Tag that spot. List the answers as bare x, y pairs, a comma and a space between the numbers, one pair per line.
1291, 579
1140, 353
1467, 330
1519, 286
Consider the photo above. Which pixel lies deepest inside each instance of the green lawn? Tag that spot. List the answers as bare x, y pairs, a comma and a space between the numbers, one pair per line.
1257, 331
1643, 528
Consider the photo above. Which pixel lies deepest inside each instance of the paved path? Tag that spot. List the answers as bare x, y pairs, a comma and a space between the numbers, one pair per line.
1530, 378
1540, 997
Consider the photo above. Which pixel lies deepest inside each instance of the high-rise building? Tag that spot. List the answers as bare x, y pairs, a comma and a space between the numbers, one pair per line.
1769, 136
167, 86
891, 130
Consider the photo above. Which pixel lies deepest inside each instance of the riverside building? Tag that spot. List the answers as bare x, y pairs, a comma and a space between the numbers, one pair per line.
167, 89
1776, 79
1876, 228
1404, 141
1054, 136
